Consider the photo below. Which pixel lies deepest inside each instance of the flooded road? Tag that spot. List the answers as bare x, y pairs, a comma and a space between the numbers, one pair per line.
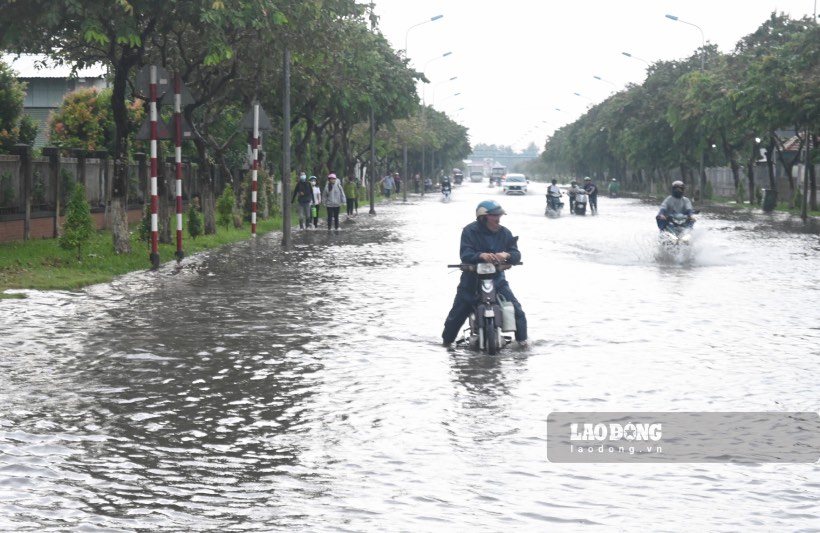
256, 390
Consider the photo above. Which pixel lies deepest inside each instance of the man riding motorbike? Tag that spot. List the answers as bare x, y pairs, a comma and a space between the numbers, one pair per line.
485, 241
554, 196
675, 204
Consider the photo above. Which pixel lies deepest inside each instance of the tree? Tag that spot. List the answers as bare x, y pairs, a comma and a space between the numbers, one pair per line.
225, 208
78, 227
15, 127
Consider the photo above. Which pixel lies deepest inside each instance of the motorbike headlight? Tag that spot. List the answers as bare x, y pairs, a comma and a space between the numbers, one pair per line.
485, 268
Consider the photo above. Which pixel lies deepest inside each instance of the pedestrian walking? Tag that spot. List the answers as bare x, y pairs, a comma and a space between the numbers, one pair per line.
397, 181
592, 194
351, 192
361, 194
334, 198
388, 184
304, 192
316, 201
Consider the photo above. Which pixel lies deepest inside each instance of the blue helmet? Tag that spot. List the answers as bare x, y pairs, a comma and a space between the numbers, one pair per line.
489, 207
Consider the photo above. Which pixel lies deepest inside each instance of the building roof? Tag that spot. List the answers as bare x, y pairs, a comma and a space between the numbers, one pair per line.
38, 66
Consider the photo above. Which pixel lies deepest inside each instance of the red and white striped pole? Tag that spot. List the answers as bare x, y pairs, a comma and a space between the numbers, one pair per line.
152, 105
178, 155
255, 154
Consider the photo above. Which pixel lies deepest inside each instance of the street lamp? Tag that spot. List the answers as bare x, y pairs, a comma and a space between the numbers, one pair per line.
702, 38
605, 81
424, 73
702, 61
440, 83
627, 54
431, 19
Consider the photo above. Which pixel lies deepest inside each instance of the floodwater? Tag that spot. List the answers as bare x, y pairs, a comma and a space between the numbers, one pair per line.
256, 390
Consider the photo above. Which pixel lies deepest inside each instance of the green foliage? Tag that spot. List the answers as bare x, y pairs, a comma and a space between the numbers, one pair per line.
741, 192
38, 189
6, 189
708, 191
67, 185
85, 120
78, 228
225, 207
196, 221
144, 229
14, 126
797, 199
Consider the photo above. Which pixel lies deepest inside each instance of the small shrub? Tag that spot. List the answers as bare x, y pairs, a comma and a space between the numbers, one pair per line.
225, 207
196, 221
79, 226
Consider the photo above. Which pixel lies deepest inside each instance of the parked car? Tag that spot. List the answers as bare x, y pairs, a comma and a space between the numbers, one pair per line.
515, 184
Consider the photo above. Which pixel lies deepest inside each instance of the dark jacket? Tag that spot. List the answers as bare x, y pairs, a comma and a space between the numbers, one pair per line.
306, 190
476, 239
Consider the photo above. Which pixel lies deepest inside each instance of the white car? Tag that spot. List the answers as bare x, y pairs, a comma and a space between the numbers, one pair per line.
515, 184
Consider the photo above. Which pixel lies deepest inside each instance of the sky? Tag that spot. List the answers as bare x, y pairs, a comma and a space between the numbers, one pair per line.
517, 64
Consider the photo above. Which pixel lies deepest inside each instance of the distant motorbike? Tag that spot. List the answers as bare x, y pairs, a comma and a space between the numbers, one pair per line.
492, 316
579, 202
554, 206
677, 231
446, 191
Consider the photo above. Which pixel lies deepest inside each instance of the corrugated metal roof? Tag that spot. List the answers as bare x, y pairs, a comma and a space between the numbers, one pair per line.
37, 66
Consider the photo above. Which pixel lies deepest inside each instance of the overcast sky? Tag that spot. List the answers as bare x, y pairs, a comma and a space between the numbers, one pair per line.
515, 61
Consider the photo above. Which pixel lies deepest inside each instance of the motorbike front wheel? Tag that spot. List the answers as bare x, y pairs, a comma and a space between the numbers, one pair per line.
490, 336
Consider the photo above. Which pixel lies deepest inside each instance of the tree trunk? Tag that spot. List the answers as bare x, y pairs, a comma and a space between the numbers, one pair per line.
750, 174
736, 178
770, 165
119, 208
208, 199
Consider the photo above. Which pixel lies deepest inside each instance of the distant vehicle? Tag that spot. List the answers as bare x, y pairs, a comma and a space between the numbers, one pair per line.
515, 184
458, 176
497, 174
476, 176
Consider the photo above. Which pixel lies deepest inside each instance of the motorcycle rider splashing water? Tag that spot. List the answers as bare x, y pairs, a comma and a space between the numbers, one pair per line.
675, 204
485, 241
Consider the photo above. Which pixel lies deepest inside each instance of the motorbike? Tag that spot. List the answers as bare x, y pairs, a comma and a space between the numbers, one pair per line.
677, 231
492, 316
445, 193
579, 203
554, 206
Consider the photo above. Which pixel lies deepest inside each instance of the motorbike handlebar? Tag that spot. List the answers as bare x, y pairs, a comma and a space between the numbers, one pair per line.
472, 266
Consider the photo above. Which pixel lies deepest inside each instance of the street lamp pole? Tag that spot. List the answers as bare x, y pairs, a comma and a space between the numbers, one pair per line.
702, 38
424, 73
627, 54
605, 81
407, 33
433, 102
702, 66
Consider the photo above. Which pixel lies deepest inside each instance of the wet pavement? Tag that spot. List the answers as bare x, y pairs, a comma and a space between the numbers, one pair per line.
257, 390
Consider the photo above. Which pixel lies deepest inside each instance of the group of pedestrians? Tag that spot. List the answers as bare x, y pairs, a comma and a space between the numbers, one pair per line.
333, 196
